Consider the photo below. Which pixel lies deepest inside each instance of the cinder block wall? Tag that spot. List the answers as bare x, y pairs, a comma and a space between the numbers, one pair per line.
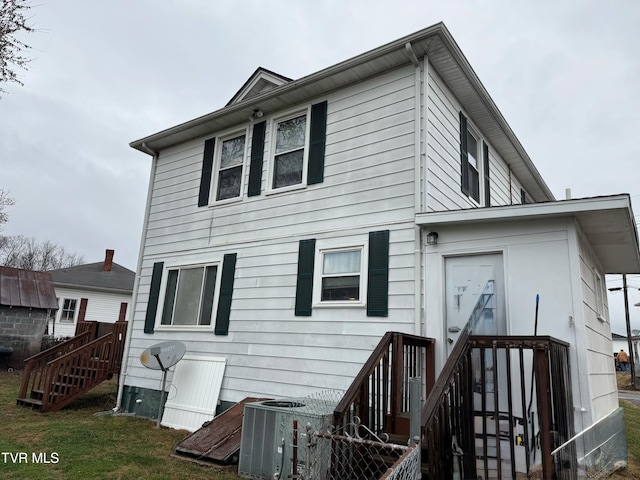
21, 329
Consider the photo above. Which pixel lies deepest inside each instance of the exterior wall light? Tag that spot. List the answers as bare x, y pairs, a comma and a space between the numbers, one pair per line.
432, 238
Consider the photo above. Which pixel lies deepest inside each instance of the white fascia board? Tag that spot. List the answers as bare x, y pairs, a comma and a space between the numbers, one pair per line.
561, 208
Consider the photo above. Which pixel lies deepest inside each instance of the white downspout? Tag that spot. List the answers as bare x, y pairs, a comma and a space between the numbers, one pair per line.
136, 283
417, 196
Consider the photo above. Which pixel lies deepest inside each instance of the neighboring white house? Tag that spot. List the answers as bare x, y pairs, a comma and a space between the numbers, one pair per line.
287, 232
99, 292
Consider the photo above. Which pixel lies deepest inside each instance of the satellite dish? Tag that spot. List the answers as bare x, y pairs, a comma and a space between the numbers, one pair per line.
163, 356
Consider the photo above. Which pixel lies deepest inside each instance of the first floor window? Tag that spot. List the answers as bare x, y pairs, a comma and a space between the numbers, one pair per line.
230, 171
68, 312
189, 296
341, 275
289, 154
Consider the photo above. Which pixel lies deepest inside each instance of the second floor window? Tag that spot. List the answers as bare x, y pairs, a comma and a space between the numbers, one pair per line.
289, 158
229, 177
473, 151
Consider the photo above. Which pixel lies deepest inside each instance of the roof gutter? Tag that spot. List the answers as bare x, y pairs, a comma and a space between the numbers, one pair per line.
136, 284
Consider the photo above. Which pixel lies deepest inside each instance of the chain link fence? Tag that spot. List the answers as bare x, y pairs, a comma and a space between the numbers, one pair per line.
330, 456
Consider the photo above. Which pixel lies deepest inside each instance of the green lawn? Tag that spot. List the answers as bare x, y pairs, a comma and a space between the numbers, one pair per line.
73, 443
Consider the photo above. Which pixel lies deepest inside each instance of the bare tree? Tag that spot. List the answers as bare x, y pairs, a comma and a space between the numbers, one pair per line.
13, 22
26, 252
5, 201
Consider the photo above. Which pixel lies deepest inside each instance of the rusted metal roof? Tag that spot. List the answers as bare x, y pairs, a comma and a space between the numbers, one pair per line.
26, 288
219, 440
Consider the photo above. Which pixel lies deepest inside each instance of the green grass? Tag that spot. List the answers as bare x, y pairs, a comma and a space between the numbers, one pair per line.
88, 446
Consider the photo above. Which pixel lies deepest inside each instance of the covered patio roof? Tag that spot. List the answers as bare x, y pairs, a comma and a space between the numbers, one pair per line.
607, 222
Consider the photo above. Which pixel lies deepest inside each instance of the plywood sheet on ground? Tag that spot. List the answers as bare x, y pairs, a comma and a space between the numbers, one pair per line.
218, 440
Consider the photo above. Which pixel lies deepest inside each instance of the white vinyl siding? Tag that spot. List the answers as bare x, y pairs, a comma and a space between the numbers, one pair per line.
101, 307
368, 186
443, 155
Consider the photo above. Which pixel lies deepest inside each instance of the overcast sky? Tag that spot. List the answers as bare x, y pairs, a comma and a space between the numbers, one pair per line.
565, 74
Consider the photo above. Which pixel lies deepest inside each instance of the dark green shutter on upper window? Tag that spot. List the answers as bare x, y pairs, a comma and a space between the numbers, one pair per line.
378, 280
523, 196
304, 284
207, 169
464, 156
154, 293
257, 157
317, 141
226, 294
487, 186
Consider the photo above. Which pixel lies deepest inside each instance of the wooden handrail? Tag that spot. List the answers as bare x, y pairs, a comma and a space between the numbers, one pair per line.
378, 395
82, 369
34, 365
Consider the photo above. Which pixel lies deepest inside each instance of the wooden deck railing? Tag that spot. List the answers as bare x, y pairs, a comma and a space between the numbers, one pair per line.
499, 407
57, 378
379, 395
34, 367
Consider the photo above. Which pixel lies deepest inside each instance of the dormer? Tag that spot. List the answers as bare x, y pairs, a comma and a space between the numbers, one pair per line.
262, 80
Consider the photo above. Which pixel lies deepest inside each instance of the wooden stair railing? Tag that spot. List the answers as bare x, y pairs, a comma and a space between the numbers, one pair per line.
379, 394
64, 378
485, 387
34, 368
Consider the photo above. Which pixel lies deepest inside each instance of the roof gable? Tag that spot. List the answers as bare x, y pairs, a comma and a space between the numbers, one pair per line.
262, 80
27, 288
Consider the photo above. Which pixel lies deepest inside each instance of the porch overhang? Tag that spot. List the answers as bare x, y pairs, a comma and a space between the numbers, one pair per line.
607, 222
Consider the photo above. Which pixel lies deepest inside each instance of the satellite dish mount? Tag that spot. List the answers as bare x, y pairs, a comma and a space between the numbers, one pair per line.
163, 356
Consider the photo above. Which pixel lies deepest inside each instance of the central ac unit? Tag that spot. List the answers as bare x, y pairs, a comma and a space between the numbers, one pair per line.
266, 448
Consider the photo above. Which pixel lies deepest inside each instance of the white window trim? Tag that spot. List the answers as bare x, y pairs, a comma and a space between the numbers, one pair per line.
75, 313
163, 290
317, 275
272, 150
217, 159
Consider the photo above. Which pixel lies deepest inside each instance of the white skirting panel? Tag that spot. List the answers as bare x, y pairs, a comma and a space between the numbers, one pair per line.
197, 382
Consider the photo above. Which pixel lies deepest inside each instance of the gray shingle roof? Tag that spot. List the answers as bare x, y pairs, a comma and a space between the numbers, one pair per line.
92, 276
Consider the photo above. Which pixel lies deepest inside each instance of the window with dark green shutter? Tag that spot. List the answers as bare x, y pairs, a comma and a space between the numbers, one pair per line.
257, 156
226, 294
304, 284
154, 293
487, 183
317, 140
378, 282
295, 158
207, 172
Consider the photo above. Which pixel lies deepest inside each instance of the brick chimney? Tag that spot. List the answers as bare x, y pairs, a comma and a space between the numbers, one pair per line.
108, 260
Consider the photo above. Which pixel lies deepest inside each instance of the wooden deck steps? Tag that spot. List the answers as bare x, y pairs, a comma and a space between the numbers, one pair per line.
59, 375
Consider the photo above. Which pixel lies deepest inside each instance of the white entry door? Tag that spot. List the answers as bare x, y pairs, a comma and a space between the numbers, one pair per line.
474, 290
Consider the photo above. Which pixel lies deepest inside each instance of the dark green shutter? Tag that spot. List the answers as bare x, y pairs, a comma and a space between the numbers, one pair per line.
487, 186
464, 156
378, 280
317, 140
154, 293
304, 285
523, 196
226, 293
207, 168
257, 156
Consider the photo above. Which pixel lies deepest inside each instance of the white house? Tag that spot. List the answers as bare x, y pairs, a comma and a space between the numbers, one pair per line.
99, 292
287, 232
